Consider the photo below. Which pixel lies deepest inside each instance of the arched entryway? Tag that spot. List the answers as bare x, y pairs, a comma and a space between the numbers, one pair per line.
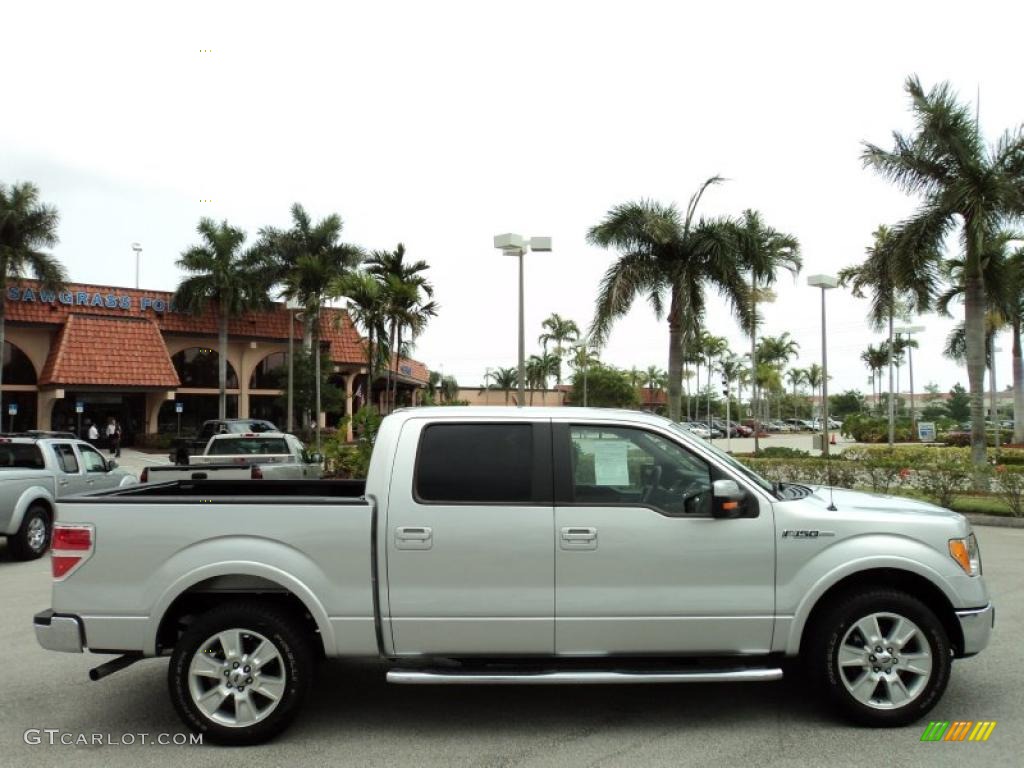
19, 402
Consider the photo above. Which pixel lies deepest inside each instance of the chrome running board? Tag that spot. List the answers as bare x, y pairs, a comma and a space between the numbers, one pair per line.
452, 677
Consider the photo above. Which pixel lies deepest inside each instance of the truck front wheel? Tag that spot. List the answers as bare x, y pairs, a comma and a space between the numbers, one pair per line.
882, 657
240, 672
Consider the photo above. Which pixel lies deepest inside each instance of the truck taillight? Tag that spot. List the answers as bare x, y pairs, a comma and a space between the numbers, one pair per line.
144, 477
71, 546
256, 473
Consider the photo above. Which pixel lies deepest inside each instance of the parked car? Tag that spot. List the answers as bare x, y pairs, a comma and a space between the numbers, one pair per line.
700, 430
832, 424
728, 429
37, 469
251, 455
197, 443
800, 425
496, 545
777, 426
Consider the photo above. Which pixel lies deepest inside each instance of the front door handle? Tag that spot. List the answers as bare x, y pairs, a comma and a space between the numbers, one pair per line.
414, 537
578, 538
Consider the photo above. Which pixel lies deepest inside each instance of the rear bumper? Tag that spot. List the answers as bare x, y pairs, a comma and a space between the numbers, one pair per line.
59, 632
976, 625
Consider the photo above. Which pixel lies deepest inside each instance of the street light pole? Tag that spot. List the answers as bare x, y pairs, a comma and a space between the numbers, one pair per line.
512, 244
138, 251
825, 282
292, 305
910, 331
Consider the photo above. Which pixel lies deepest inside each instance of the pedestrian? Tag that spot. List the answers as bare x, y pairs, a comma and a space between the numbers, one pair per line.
94, 434
111, 429
115, 446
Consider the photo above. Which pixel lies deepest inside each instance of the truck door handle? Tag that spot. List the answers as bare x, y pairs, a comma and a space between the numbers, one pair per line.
578, 538
414, 537
63, 482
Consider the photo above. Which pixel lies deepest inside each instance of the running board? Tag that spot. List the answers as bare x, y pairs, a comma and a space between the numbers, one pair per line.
433, 677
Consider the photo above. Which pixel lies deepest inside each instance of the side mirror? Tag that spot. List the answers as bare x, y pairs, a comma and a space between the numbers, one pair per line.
316, 458
727, 499
111, 465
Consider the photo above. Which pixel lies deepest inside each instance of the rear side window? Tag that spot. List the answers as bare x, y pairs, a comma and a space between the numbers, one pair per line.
254, 446
484, 463
21, 455
66, 458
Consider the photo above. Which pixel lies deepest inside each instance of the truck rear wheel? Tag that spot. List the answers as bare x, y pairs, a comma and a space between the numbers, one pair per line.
33, 537
882, 657
240, 673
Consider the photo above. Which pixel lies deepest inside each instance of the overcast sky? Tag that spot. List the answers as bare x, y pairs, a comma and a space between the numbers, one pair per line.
441, 124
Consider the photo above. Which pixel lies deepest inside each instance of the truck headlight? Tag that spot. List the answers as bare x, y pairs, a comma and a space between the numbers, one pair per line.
966, 554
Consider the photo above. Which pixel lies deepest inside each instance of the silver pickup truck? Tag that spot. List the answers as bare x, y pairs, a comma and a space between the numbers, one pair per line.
246, 456
499, 545
35, 471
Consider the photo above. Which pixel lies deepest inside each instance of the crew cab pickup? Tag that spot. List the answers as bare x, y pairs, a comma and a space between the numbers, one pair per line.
36, 470
518, 546
270, 455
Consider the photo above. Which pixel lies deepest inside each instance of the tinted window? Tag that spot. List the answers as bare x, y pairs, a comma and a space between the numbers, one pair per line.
255, 446
92, 460
631, 467
475, 463
21, 455
66, 458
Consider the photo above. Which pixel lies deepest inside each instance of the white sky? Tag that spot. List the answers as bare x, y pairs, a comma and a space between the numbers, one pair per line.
441, 124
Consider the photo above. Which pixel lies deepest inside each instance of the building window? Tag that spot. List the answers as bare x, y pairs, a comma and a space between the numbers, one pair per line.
197, 367
271, 373
18, 369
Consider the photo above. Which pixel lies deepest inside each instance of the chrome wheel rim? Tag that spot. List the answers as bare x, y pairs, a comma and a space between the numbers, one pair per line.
36, 533
885, 661
237, 678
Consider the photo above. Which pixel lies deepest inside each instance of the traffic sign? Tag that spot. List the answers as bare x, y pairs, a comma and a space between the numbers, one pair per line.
79, 407
12, 409
179, 407
926, 431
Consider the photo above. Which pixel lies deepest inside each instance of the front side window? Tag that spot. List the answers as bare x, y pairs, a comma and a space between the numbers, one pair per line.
633, 467
482, 463
66, 458
92, 460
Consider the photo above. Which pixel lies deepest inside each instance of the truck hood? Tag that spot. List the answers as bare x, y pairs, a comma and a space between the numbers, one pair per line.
849, 503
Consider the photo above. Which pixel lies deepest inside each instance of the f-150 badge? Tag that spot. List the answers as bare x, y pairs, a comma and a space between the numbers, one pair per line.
806, 534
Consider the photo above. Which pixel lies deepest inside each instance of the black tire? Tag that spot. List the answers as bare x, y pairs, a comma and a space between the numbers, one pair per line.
25, 544
822, 652
296, 665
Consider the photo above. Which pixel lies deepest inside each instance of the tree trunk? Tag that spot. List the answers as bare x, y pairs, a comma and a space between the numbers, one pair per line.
3, 349
1018, 382
974, 328
753, 362
387, 375
398, 357
222, 367
316, 373
892, 398
675, 357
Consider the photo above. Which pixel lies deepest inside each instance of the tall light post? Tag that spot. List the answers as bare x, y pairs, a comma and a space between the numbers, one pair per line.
826, 283
909, 331
993, 402
138, 252
511, 244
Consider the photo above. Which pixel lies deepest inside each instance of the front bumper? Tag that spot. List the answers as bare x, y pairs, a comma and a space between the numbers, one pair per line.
976, 625
59, 632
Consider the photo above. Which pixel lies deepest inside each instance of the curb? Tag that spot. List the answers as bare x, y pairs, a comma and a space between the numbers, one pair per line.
996, 521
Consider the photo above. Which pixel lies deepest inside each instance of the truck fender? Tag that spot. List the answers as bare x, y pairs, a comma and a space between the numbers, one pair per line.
243, 568
849, 568
29, 497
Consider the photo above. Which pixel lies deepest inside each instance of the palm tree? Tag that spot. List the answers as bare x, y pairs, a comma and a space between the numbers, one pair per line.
310, 259
408, 299
763, 251
875, 358
713, 348
963, 183
732, 371
505, 379
583, 358
365, 297
26, 228
815, 378
795, 377
233, 280
560, 332
663, 252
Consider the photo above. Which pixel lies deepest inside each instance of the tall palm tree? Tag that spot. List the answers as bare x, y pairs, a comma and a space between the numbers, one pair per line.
27, 227
365, 297
795, 377
963, 183
223, 274
777, 350
763, 252
560, 332
713, 347
814, 376
875, 358
504, 379
408, 298
310, 259
663, 252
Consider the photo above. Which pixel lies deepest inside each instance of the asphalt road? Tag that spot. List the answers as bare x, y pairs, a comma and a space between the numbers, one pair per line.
355, 719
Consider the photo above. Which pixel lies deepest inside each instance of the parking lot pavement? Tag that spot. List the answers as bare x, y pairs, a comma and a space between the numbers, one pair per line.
355, 719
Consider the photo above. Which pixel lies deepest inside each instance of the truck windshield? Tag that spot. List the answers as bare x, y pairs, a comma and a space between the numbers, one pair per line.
741, 468
21, 456
255, 446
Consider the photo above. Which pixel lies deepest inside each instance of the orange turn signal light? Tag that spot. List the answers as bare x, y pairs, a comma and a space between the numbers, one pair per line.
730, 505
958, 551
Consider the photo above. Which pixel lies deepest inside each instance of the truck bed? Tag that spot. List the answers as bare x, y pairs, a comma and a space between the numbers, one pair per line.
183, 490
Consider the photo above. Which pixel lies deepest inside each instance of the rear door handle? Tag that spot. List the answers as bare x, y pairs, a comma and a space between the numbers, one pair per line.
414, 537
578, 538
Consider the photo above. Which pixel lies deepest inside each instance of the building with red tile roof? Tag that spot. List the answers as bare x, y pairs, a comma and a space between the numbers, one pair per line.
94, 352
